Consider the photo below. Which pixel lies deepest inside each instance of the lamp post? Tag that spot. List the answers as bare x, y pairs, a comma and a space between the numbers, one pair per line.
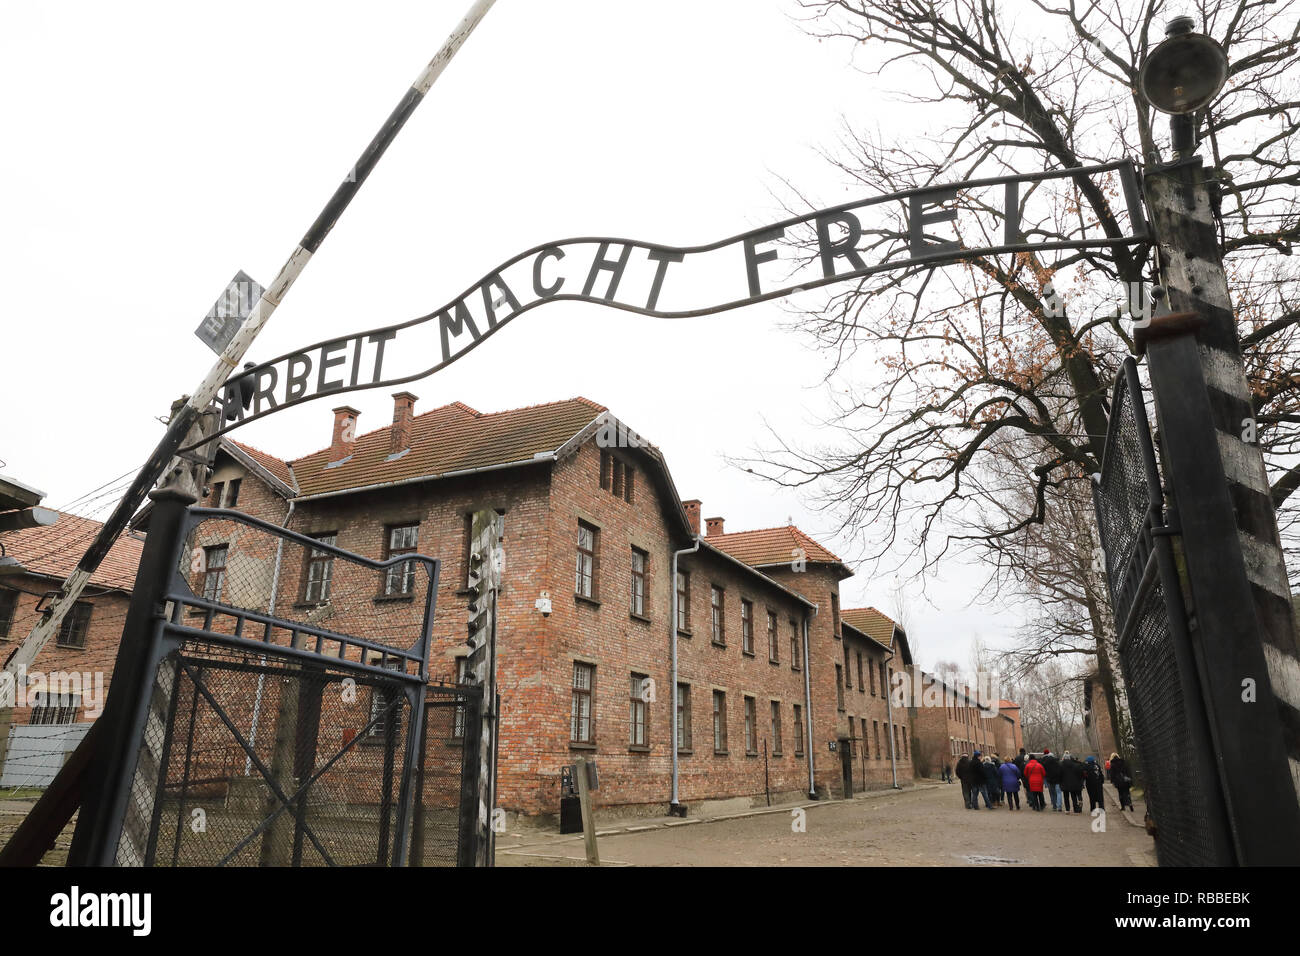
1220, 502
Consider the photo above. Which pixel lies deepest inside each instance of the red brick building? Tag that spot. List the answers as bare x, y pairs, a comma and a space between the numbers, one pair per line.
950, 719
86, 646
775, 693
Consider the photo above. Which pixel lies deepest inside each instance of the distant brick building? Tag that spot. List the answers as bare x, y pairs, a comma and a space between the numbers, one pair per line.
950, 719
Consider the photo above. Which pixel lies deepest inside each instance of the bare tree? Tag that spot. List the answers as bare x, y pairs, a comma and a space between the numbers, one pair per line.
935, 368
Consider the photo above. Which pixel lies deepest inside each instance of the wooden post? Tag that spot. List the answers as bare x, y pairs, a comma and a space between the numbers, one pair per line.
588, 821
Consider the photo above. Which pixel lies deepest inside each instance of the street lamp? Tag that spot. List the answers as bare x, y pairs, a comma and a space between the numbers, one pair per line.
1182, 75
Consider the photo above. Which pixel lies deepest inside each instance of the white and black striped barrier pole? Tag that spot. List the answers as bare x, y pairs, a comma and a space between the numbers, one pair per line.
185, 418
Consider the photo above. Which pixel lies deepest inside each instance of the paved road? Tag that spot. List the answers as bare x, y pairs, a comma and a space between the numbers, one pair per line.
921, 827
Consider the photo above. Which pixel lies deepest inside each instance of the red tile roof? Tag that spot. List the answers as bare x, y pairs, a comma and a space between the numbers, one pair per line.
54, 550
879, 627
451, 438
769, 546
274, 465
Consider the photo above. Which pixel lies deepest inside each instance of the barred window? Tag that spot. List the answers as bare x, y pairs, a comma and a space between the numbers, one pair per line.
637, 711
51, 708
8, 607
683, 600
320, 571
385, 703
214, 571
719, 722
400, 578
683, 716
639, 561
582, 729
75, 626
718, 610
585, 583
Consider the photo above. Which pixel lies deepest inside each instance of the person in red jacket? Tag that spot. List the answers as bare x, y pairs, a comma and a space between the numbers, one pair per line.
1034, 776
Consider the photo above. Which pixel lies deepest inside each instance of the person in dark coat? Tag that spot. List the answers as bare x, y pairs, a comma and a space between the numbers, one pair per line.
1122, 778
1035, 776
975, 780
992, 780
963, 776
1052, 769
1010, 775
1071, 783
1095, 781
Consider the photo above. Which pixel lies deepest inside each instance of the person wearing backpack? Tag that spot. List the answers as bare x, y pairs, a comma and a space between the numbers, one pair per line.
1122, 778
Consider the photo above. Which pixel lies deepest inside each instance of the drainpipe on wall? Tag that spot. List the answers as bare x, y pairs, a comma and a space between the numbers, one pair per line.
672, 644
889, 709
270, 610
807, 702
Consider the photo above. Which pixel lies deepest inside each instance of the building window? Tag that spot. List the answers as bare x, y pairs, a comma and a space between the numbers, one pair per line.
719, 722
629, 480
872, 672
637, 711
684, 717
860, 687
218, 489
835, 613
400, 578
384, 702
839, 685
617, 487
798, 730
582, 729
72, 632
586, 584
214, 571
796, 647
751, 726
718, 613
51, 708
8, 607
747, 627
773, 652
884, 692
866, 744
683, 601
232, 492
320, 571
616, 476
639, 562
458, 717
906, 755
875, 732
776, 727
848, 670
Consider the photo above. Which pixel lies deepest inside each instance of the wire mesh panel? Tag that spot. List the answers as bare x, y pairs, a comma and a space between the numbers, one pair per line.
446, 797
285, 710
1169, 724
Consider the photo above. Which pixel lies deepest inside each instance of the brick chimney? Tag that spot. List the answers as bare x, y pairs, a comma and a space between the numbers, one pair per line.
345, 432
403, 412
712, 526
693, 513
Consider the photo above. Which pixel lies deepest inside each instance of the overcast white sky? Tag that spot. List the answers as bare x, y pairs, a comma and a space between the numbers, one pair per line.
154, 149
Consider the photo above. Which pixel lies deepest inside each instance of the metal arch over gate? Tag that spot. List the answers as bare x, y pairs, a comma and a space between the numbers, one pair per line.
927, 226
1170, 723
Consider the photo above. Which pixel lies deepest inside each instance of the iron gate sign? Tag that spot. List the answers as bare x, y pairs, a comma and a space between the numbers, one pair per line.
927, 226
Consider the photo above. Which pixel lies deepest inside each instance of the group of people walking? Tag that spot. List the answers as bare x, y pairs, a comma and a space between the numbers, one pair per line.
1063, 778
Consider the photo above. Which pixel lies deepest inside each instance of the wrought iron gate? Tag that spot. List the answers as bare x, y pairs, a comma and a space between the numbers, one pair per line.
1169, 720
277, 728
